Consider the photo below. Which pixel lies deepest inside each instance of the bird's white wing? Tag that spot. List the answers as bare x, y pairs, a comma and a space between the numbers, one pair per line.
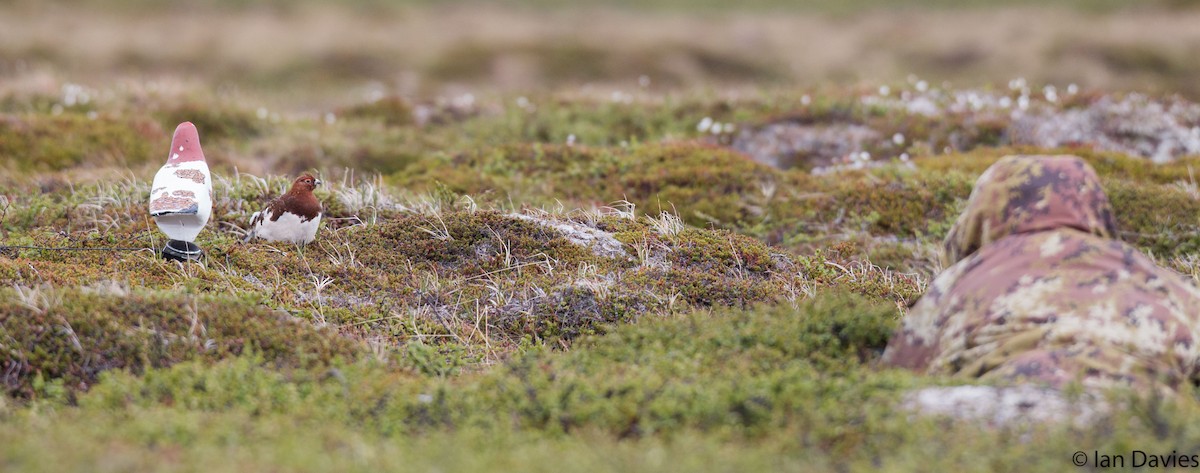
255, 222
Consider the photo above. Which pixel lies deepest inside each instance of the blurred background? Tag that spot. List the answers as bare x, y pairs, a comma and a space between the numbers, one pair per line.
312, 54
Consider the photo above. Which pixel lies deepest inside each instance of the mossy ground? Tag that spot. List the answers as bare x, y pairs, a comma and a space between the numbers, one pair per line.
658, 293
518, 281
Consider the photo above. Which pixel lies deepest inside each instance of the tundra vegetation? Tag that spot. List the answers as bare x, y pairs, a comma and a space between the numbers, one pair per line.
643, 253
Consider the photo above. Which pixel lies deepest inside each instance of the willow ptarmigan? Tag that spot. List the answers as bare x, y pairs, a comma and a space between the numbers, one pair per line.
181, 195
293, 217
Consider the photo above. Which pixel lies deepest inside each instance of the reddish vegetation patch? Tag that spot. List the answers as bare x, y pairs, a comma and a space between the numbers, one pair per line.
192, 174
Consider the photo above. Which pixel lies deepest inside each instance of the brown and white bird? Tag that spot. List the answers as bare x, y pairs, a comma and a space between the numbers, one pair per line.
293, 217
181, 195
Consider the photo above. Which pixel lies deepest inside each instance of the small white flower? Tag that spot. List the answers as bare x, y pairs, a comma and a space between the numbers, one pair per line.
644, 81
884, 90
262, 113
904, 157
976, 101
330, 118
1005, 102
923, 105
922, 86
805, 99
1072, 89
1051, 93
522, 102
92, 115
73, 94
571, 139
704, 124
898, 138
1023, 102
728, 128
716, 128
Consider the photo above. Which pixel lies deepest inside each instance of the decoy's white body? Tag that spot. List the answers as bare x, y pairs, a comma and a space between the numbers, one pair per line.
181, 196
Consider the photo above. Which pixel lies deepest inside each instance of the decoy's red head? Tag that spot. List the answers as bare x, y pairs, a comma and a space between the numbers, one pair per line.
185, 145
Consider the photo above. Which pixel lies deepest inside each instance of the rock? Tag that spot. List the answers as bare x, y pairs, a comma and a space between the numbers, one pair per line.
787, 144
1005, 406
1132, 125
601, 242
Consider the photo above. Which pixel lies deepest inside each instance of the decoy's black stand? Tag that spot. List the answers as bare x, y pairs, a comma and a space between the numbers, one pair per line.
182, 251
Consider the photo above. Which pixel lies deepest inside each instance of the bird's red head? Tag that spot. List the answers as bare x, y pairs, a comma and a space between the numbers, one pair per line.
306, 182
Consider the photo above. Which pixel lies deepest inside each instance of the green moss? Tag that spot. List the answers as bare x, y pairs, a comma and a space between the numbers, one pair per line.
845, 272
709, 251
728, 371
72, 140
1162, 219
468, 243
906, 205
392, 111
214, 121
702, 184
791, 387
73, 335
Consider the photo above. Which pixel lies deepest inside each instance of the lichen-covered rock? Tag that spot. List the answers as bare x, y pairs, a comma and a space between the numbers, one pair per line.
1134, 125
788, 144
601, 243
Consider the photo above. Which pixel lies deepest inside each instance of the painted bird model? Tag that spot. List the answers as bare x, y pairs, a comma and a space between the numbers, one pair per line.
181, 196
293, 217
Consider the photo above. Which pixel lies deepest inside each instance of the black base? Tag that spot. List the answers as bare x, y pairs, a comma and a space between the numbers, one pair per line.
182, 251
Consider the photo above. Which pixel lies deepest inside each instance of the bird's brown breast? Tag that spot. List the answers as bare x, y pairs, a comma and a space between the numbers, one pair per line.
304, 205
